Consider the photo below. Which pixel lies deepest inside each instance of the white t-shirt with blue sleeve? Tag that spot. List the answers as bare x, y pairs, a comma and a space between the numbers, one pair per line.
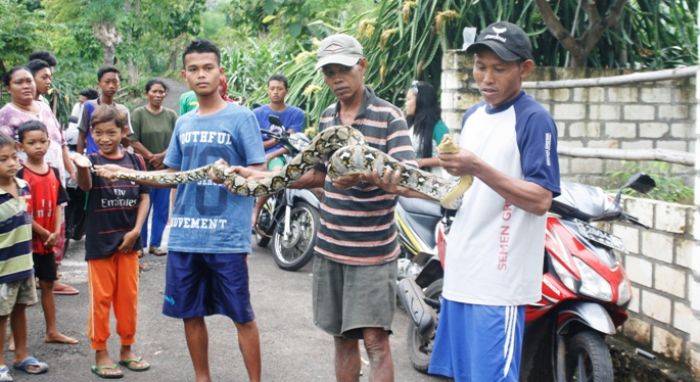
495, 250
206, 217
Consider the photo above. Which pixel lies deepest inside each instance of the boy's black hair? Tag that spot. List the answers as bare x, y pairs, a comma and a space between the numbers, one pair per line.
37, 65
279, 77
6, 140
45, 56
108, 113
154, 81
7, 77
202, 46
89, 93
32, 125
106, 69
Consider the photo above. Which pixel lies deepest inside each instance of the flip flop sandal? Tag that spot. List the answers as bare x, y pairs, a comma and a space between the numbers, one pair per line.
25, 364
128, 363
66, 290
5, 375
99, 370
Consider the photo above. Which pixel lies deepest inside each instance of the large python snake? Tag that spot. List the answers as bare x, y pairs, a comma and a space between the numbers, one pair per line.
347, 154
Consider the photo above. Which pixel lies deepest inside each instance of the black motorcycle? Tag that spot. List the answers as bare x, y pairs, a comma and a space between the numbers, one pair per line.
289, 219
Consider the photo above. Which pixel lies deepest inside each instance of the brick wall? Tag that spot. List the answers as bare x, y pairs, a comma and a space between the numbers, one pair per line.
658, 263
643, 115
694, 278
665, 307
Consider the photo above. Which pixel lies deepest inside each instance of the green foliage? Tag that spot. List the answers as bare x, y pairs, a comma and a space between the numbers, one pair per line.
291, 19
153, 34
18, 30
248, 65
404, 40
258, 37
668, 188
85, 10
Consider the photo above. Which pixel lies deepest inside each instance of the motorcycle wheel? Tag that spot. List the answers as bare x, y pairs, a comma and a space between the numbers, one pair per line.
298, 249
264, 223
588, 358
261, 240
420, 347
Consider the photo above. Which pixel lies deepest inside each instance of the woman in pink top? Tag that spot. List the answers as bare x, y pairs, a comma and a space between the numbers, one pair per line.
23, 107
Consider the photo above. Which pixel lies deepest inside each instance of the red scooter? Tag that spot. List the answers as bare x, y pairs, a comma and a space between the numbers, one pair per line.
585, 291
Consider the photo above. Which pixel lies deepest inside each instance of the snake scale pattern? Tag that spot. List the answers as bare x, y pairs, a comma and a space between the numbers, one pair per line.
347, 154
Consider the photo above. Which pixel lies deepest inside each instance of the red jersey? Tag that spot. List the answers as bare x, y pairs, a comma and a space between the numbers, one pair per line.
47, 194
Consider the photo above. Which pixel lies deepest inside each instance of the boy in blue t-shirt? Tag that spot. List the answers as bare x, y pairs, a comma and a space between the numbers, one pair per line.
291, 117
210, 229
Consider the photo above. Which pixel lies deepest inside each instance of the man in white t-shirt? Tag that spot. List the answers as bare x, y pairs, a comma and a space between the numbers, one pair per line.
495, 249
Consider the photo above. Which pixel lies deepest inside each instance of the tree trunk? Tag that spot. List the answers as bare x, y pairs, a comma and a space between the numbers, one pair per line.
108, 36
582, 46
131, 67
579, 60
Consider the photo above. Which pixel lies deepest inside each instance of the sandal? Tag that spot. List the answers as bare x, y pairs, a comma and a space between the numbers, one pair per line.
26, 366
129, 364
102, 371
64, 289
156, 251
5, 375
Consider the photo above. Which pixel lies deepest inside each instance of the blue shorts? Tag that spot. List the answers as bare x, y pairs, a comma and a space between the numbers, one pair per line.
478, 342
202, 284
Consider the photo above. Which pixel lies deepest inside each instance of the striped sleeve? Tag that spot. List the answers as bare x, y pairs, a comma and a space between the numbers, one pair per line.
398, 140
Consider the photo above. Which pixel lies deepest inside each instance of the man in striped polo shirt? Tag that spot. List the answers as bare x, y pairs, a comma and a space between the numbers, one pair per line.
354, 286
355, 270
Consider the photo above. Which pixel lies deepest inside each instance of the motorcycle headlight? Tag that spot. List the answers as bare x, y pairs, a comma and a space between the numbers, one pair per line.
624, 292
593, 284
564, 275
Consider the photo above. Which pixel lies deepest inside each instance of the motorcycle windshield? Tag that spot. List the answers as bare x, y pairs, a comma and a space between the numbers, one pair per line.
590, 200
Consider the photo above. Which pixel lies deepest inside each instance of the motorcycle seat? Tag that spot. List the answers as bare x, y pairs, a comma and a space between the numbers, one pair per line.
420, 207
584, 202
422, 216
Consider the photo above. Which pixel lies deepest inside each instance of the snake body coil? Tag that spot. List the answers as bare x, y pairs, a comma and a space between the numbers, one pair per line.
347, 154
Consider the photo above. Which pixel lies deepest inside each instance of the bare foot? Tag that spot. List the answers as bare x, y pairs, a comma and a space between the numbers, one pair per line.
59, 338
11, 343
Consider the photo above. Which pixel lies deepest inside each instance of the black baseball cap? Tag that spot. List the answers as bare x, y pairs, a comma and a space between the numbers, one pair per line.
505, 39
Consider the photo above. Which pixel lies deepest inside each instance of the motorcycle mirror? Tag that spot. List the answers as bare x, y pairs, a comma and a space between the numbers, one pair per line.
639, 182
274, 120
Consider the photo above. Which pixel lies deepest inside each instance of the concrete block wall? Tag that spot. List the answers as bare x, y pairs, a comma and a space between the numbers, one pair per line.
644, 115
658, 262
